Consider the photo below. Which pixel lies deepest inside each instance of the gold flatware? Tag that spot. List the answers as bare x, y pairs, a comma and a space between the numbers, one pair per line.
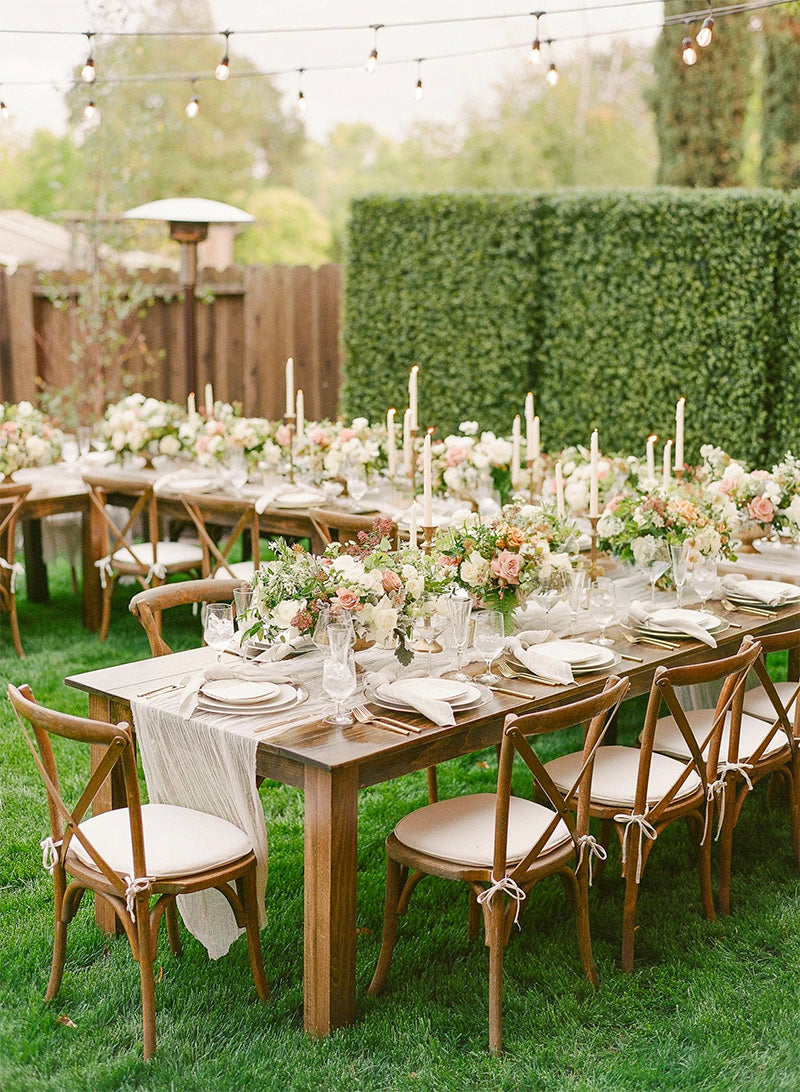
364, 716
508, 672
643, 639
513, 693
627, 656
762, 612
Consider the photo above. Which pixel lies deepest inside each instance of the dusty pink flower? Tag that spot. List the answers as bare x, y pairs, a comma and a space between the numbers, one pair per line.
760, 474
725, 486
456, 455
391, 581
283, 435
346, 434
348, 600
318, 436
761, 509
506, 567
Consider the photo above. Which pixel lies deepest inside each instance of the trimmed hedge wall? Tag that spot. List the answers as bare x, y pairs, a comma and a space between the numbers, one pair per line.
611, 305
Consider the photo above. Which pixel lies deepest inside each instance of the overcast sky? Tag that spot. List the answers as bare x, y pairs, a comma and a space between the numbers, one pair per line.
384, 100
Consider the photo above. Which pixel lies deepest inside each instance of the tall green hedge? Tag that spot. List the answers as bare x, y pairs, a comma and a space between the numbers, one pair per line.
611, 305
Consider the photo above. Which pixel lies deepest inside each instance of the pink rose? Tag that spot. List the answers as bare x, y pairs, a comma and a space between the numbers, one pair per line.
318, 436
348, 600
760, 509
725, 486
456, 455
391, 581
506, 567
760, 474
282, 435
347, 434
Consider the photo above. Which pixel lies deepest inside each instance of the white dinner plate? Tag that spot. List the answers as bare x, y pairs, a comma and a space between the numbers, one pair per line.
300, 499
480, 697
288, 695
240, 691
791, 592
609, 659
574, 653
436, 689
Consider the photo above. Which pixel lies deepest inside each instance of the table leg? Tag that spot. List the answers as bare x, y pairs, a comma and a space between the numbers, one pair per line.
111, 795
92, 535
331, 843
35, 568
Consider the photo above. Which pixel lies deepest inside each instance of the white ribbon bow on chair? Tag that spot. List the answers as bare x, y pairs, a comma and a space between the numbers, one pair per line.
16, 571
716, 791
105, 569
156, 570
511, 888
588, 842
136, 885
50, 853
646, 830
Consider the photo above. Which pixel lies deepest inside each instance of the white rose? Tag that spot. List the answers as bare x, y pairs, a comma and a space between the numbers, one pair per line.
285, 611
575, 495
169, 445
474, 570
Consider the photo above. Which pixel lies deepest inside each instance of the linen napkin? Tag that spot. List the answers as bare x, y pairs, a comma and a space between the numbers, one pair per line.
546, 667
191, 690
770, 592
440, 712
673, 621
267, 497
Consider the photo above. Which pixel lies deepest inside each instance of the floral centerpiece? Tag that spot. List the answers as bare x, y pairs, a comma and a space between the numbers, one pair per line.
635, 524
467, 465
26, 438
143, 426
499, 562
786, 474
376, 586
613, 472
756, 495
210, 440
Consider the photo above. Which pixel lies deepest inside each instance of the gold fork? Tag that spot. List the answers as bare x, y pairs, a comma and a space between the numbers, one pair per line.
508, 672
364, 716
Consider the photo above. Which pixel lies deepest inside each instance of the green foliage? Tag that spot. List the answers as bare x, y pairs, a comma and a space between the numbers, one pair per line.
289, 230
700, 109
445, 282
780, 109
612, 305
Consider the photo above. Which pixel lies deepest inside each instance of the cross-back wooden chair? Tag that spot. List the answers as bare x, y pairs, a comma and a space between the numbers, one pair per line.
502, 845
333, 525
206, 512
640, 791
150, 562
12, 497
147, 606
763, 741
131, 854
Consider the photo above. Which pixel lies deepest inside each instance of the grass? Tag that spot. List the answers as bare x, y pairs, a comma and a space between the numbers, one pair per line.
709, 1006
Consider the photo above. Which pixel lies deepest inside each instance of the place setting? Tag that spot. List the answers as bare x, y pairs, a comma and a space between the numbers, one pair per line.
759, 594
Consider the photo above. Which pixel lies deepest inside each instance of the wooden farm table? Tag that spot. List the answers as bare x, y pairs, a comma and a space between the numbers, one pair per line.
331, 767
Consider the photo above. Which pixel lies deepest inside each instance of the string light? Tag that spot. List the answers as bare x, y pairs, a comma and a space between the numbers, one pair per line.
193, 105
536, 48
5, 113
552, 76
223, 69
372, 60
89, 110
706, 32
301, 99
88, 74
418, 89
688, 52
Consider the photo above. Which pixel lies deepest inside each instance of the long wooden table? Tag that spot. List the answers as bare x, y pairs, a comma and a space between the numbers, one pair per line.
331, 767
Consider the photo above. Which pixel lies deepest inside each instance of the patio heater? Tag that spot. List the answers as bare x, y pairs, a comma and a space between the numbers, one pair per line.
189, 219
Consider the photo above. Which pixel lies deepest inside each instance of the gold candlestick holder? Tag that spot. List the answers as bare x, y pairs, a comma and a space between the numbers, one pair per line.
428, 532
594, 565
290, 420
679, 474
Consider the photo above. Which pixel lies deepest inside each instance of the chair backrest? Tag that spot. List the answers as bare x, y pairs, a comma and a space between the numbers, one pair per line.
114, 742
139, 493
732, 671
596, 712
146, 606
12, 497
222, 511
788, 641
335, 526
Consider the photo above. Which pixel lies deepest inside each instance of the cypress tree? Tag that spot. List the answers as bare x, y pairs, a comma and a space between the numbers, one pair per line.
700, 109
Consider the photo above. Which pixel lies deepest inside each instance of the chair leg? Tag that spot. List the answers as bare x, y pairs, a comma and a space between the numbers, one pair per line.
146, 958
248, 896
629, 918
59, 938
581, 900
395, 876
171, 914
706, 890
433, 786
105, 619
474, 923
74, 580
12, 617
496, 943
726, 848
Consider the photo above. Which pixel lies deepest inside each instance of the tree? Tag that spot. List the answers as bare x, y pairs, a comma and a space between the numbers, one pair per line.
46, 177
780, 108
289, 229
700, 109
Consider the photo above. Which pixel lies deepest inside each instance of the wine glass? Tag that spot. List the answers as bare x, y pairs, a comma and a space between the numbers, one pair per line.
459, 609
243, 602
237, 470
546, 591
603, 604
217, 626
489, 639
679, 554
356, 483
339, 682
704, 578
576, 590
84, 439
650, 555
428, 624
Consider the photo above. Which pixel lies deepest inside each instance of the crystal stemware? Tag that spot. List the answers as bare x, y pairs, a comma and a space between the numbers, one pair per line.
704, 578
339, 682
356, 483
217, 626
243, 602
679, 555
459, 609
428, 624
576, 590
489, 640
603, 603
652, 558
546, 592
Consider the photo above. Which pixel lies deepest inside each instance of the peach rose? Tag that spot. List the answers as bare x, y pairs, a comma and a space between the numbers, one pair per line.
761, 510
282, 435
346, 434
515, 537
348, 600
506, 567
391, 581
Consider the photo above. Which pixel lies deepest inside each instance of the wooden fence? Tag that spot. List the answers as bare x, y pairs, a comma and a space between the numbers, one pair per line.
248, 321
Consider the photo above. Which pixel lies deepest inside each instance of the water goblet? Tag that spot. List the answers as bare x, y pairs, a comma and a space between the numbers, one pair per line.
84, 433
428, 624
603, 602
237, 470
489, 639
217, 626
70, 451
459, 609
339, 682
679, 555
546, 592
356, 483
704, 578
576, 590
651, 556
243, 602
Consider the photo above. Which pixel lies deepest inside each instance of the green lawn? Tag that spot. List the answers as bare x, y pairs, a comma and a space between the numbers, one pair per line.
709, 1006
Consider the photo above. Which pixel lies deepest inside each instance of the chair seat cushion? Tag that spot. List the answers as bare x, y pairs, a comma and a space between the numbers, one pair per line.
461, 830
669, 741
615, 772
176, 840
241, 570
757, 703
172, 555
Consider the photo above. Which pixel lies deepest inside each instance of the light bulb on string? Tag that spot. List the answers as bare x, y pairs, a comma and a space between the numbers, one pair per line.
552, 76
88, 73
372, 60
223, 69
536, 48
418, 88
5, 113
706, 32
301, 99
193, 105
89, 111
688, 52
